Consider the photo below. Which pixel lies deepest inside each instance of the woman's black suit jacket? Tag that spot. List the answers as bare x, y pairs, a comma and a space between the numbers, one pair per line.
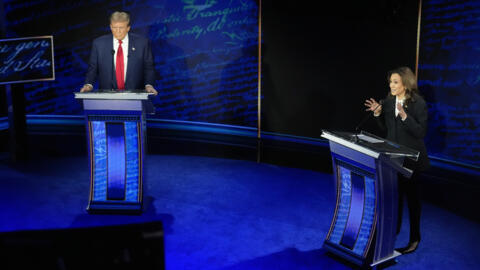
410, 132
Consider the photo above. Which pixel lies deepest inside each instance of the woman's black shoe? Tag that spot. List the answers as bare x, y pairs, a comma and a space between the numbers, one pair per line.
409, 249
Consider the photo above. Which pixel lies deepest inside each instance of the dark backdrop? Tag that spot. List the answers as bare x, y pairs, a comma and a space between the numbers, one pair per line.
3, 108
321, 63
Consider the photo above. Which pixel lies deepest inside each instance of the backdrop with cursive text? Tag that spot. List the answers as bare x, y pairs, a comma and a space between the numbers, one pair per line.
205, 53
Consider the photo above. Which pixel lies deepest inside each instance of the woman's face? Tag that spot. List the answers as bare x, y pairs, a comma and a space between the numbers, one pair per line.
396, 85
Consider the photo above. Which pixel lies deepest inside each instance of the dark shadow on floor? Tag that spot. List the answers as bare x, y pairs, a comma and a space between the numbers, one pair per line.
148, 215
292, 258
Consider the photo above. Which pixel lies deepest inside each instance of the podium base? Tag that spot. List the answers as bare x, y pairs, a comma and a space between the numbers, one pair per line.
358, 261
386, 260
114, 208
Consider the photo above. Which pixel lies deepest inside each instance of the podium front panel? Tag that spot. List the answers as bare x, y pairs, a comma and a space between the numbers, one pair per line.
116, 161
353, 224
112, 105
363, 226
116, 128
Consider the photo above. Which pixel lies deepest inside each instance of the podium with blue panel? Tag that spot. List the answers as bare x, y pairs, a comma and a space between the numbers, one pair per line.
363, 228
115, 123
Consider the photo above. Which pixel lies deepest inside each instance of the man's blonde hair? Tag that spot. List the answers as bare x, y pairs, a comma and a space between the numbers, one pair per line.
120, 16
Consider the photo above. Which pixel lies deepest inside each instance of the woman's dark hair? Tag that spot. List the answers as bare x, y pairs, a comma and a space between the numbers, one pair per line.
408, 80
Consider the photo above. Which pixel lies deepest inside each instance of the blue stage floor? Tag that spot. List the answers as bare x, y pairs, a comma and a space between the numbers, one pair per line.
223, 213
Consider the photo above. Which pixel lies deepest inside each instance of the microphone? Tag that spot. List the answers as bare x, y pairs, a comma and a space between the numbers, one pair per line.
113, 52
380, 103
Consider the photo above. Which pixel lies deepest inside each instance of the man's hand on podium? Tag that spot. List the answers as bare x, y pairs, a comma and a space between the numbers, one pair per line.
86, 88
150, 89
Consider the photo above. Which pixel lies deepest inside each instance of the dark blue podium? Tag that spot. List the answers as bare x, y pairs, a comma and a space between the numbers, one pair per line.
363, 229
115, 124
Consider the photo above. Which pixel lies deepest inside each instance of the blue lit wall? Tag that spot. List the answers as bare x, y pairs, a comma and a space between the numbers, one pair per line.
205, 53
449, 77
206, 59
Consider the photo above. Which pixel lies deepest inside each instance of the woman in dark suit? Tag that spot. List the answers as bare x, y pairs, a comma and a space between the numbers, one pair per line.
404, 115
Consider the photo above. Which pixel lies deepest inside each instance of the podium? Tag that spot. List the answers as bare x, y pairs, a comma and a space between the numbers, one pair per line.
363, 228
115, 124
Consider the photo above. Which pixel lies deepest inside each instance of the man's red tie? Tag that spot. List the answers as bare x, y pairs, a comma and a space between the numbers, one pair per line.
120, 67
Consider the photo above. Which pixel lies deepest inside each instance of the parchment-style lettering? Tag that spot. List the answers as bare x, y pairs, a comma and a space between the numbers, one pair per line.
205, 54
449, 77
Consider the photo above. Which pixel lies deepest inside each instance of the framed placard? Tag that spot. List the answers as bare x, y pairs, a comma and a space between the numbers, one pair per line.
27, 59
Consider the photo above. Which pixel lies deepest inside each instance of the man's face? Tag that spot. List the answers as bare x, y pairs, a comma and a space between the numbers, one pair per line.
119, 29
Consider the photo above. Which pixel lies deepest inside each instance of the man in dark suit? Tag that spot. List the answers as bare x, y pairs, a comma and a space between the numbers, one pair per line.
121, 60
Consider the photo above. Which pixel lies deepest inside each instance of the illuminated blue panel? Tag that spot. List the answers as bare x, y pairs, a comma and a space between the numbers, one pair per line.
449, 79
100, 161
205, 54
356, 211
4, 123
344, 175
115, 161
133, 169
368, 217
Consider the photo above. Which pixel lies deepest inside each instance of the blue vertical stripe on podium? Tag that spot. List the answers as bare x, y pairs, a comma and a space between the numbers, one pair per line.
368, 220
132, 135
343, 174
356, 211
116, 161
99, 149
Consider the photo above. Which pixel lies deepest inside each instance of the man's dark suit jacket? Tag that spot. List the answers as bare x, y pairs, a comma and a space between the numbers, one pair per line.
140, 71
410, 132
